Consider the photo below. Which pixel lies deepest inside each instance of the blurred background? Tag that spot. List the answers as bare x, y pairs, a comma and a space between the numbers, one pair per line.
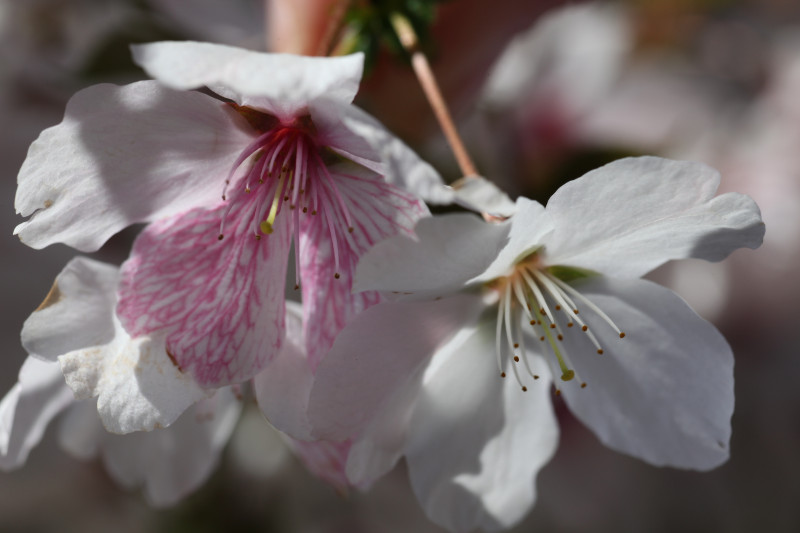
542, 93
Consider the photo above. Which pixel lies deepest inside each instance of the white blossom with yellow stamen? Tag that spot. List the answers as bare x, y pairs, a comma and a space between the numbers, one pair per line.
552, 296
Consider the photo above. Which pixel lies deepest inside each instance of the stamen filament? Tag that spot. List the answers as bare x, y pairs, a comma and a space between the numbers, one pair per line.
269, 222
566, 373
523, 352
509, 317
497, 337
567, 287
538, 297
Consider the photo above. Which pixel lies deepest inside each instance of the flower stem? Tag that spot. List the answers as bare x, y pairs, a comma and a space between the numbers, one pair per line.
334, 27
408, 38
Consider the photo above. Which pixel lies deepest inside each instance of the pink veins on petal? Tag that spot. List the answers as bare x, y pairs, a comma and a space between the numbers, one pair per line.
284, 168
212, 278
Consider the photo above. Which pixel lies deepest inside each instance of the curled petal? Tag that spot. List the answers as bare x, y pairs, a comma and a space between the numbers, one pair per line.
632, 215
123, 155
664, 393
481, 195
529, 227
219, 302
77, 313
138, 387
281, 84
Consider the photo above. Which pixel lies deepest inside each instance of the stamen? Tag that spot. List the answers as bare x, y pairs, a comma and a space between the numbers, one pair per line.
567, 287
543, 310
269, 223
566, 373
522, 350
334, 241
336, 194
508, 316
497, 337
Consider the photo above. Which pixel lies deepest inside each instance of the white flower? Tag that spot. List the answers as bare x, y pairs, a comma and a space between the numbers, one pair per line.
77, 320
545, 298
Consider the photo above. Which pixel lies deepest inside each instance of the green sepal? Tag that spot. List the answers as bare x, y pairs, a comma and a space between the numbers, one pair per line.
368, 26
568, 274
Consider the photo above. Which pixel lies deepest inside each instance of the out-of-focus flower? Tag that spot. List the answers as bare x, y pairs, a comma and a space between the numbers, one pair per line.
555, 295
76, 321
46, 43
227, 187
559, 69
237, 22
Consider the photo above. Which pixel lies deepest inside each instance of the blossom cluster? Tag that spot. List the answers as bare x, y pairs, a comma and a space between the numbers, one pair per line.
438, 339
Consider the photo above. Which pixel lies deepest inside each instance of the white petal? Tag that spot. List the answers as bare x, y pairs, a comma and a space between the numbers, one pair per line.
138, 387
170, 463
664, 393
281, 84
124, 155
376, 355
76, 313
446, 252
399, 164
482, 196
476, 441
283, 387
382, 442
529, 226
632, 215
28, 408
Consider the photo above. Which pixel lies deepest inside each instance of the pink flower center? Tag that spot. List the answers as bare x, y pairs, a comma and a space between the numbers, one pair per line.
284, 168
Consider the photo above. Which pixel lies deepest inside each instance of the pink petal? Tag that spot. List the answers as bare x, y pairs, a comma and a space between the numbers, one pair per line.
378, 210
221, 301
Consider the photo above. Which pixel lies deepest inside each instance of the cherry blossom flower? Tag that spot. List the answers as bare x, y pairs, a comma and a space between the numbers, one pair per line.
457, 383
76, 321
227, 186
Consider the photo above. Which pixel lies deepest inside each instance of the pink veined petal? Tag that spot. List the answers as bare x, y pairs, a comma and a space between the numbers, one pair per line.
221, 302
124, 155
377, 210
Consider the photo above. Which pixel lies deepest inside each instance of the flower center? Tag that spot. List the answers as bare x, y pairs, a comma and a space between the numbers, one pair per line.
552, 309
284, 167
